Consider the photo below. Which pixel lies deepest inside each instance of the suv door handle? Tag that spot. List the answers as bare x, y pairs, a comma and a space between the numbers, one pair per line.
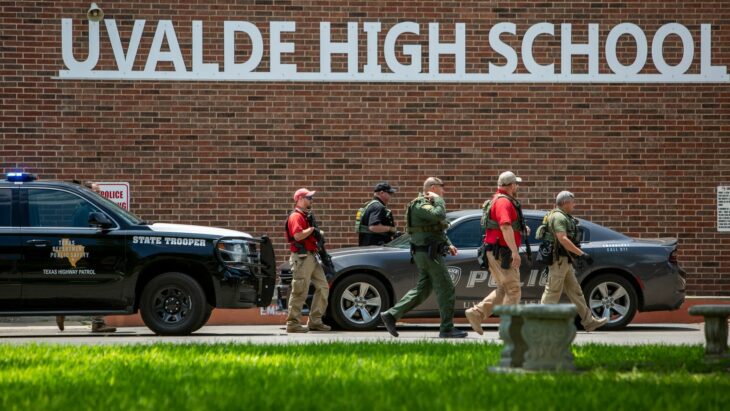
38, 243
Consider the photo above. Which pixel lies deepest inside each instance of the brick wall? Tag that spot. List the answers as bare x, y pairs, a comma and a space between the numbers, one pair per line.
644, 159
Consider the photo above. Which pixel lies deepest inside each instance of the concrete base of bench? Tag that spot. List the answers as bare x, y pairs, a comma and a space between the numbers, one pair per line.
537, 337
716, 330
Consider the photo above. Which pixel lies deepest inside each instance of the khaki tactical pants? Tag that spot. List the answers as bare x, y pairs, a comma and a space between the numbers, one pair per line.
561, 277
508, 289
307, 270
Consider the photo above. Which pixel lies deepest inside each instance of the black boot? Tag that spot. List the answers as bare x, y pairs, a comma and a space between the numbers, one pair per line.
389, 323
453, 333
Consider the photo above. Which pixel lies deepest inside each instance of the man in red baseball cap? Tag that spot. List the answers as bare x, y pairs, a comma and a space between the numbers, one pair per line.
305, 267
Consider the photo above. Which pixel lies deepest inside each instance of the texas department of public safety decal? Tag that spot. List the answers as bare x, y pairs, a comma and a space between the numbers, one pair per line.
69, 250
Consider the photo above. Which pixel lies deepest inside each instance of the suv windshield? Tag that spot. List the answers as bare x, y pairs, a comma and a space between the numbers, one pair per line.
125, 215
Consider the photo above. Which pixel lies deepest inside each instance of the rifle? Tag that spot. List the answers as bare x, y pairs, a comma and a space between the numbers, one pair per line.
324, 258
525, 236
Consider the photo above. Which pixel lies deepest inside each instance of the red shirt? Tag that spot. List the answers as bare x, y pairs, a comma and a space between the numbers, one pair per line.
297, 224
503, 212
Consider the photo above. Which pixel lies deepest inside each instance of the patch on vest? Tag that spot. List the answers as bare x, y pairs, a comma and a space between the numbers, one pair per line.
455, 274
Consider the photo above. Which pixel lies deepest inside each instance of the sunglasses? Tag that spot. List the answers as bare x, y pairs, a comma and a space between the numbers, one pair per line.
310, 198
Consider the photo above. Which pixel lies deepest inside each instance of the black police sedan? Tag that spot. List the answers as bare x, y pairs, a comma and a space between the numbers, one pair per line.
628, 275
65, 250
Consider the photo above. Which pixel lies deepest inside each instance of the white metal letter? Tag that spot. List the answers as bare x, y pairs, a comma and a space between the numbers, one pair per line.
436, 48
230, 28
657, 49
125, 62
164, 30
412, 50
67, 46
641, 49
208, 69
568, 49
327, 48
278, 47
503, 48
532, 33
372, 30
706, 67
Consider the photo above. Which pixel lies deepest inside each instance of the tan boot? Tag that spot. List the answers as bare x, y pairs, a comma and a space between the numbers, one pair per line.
475, 319
102, 328
318, 327
595, 324
296, 328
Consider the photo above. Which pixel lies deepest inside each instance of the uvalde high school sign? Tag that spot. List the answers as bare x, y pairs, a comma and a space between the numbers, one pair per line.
367, 35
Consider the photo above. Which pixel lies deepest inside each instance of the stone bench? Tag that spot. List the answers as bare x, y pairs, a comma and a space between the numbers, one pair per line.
537, 337
716, 329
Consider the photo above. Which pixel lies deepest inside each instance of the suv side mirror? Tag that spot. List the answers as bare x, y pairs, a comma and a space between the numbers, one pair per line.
100, 220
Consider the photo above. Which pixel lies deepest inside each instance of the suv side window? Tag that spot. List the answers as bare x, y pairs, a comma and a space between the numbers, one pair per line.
467, 234
6, 207
55, 208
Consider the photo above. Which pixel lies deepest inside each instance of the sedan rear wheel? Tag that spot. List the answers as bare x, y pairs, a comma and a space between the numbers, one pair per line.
613, 297
357, 301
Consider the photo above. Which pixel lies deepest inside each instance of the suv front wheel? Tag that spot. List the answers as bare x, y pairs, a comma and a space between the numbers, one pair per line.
173, 304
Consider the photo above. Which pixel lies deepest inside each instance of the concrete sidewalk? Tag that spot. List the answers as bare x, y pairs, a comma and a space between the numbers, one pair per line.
667, 334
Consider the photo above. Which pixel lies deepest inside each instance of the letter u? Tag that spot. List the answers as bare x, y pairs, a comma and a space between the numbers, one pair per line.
67, 46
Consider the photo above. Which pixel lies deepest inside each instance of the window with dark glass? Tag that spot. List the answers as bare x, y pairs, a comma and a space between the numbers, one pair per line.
54, 208
466, 234
6, 207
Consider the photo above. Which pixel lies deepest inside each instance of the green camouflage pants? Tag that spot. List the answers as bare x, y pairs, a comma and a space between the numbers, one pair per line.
433, 275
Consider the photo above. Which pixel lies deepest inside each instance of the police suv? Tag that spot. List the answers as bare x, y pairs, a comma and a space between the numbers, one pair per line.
65, 250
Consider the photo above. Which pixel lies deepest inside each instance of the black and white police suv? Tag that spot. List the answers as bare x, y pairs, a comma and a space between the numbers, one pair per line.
65, 250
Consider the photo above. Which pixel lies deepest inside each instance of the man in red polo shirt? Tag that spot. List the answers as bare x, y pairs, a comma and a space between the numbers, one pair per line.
503, 232
305, 268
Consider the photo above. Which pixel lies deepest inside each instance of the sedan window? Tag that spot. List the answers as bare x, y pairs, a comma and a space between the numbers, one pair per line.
466, 234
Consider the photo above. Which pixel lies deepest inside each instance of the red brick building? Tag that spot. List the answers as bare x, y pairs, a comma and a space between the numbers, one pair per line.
645, 154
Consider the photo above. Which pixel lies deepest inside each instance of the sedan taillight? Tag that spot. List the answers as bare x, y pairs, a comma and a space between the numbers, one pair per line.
673, 256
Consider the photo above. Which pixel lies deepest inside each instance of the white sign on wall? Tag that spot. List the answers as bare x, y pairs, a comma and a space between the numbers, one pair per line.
723, 208
366, 37
117, 193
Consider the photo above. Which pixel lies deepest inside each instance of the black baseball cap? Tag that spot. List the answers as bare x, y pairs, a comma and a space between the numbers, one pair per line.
384, 187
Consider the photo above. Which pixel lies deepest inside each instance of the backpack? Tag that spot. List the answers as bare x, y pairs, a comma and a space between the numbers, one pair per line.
488, 223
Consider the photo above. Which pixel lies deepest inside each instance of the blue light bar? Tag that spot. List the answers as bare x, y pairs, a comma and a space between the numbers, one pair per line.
19, 176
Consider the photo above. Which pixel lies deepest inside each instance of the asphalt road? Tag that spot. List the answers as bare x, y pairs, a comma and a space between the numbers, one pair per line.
670, 334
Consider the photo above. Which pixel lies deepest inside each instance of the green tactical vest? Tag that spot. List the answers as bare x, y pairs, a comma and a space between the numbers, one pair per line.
489, 224
359, 228
546, 232
411, 229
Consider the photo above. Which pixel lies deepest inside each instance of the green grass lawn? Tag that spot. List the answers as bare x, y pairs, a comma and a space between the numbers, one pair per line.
355, 376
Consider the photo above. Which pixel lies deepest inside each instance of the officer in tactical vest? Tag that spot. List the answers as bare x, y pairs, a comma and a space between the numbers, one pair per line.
375, 225
562, 231
504, 228
426, 223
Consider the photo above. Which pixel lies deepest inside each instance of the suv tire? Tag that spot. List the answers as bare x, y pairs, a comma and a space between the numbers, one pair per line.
173, 304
